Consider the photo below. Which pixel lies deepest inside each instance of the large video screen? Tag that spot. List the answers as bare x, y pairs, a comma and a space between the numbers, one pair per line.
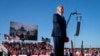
22, 31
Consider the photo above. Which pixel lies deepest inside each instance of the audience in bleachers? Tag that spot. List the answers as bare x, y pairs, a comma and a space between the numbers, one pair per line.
43, 48
16, 48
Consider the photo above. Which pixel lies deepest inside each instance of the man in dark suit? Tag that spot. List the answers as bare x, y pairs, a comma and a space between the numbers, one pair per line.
59, 31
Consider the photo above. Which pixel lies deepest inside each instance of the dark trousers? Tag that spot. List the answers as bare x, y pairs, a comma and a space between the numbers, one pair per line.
58, 46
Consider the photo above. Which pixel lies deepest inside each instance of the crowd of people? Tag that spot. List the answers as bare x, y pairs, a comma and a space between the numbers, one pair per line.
92, 52
86, 52
43, 48
20, 48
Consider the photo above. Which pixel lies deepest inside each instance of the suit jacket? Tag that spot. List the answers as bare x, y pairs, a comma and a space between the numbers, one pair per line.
59, 26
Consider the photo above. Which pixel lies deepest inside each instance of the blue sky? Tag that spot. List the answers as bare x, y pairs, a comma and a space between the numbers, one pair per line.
40, 12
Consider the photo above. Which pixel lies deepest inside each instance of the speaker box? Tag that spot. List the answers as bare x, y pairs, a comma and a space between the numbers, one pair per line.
77, 28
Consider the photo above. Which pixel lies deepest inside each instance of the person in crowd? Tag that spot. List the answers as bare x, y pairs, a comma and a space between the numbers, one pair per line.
69, 53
